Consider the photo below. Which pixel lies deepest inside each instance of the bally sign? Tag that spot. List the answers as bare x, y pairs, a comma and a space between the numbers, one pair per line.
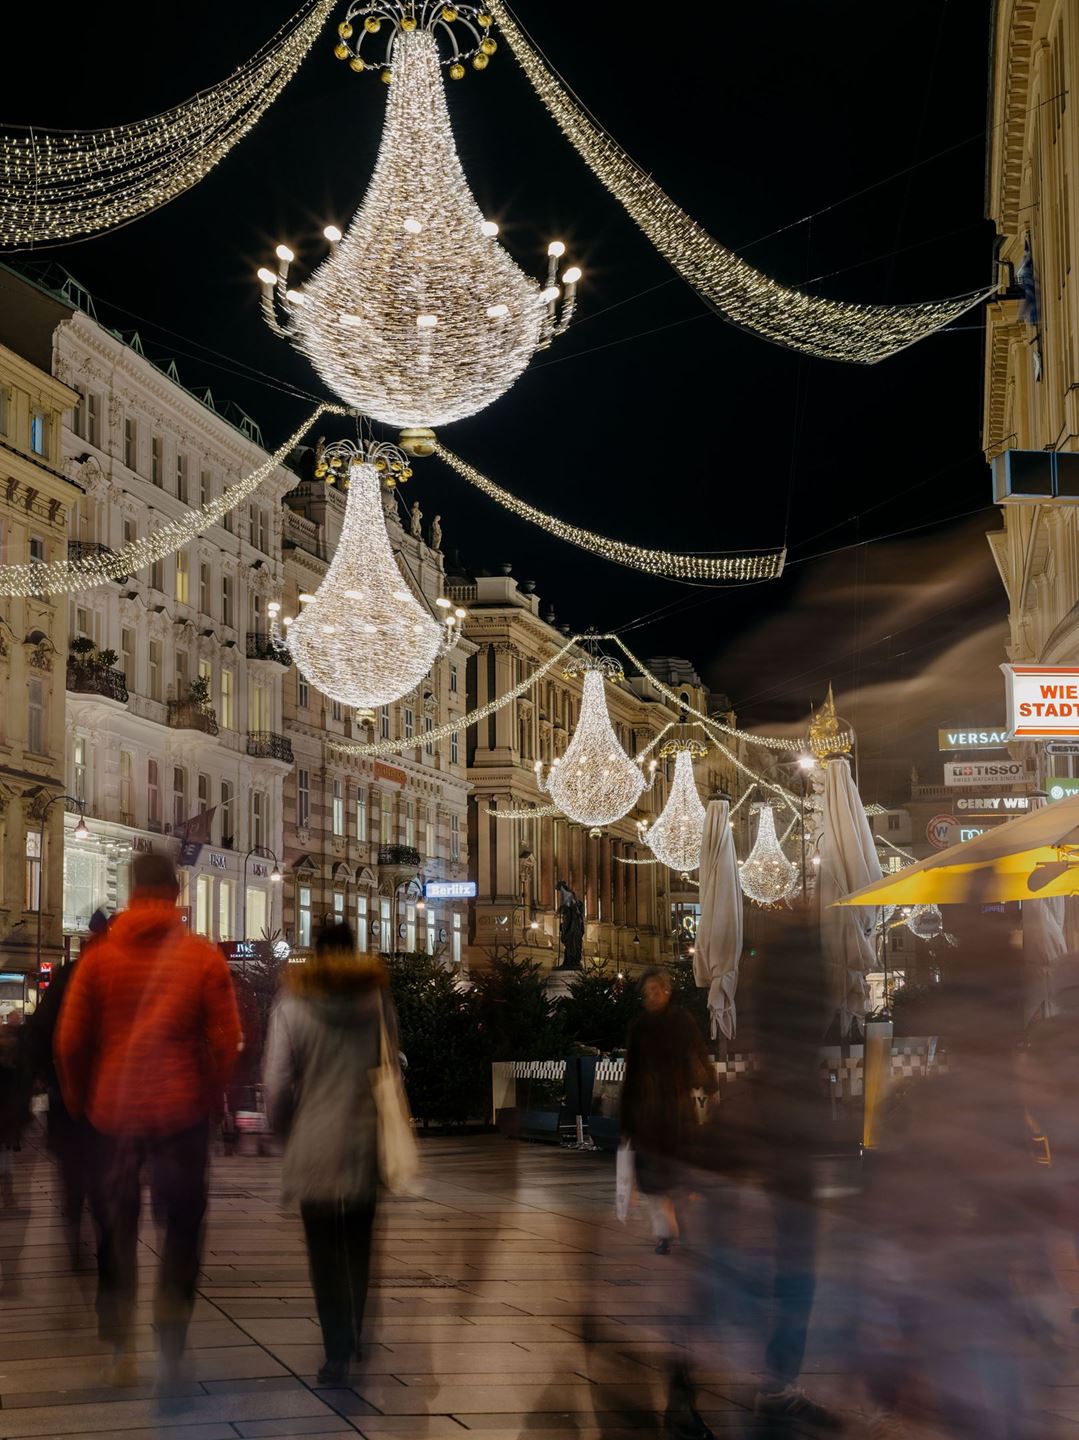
984, 772
1043, 700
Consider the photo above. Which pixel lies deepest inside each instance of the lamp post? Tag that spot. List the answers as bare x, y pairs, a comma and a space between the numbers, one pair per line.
275, 879
81, 832
806, 763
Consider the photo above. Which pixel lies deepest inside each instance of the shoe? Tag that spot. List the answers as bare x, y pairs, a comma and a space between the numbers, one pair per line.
124, 1370
794, 1404
663, 1247
334, 1372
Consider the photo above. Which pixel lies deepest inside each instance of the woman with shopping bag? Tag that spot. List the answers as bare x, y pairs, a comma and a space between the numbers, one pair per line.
334, 1093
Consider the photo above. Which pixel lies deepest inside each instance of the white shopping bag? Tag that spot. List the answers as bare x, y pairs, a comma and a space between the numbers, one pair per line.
625, 1182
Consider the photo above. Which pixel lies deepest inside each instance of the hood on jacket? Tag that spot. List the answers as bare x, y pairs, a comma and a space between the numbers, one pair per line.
145, 922
337, 974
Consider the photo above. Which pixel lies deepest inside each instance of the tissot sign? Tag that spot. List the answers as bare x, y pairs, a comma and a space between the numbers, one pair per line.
985, 772
1043, 700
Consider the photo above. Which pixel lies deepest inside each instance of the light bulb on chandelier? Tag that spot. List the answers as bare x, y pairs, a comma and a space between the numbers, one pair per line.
418, 317
363, 638
594, 782
676, 835
766, 875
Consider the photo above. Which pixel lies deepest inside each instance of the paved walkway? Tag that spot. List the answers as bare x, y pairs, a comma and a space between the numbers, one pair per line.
506, 1301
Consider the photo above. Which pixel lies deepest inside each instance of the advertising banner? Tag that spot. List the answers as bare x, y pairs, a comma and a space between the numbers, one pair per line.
1043, 700
985, 772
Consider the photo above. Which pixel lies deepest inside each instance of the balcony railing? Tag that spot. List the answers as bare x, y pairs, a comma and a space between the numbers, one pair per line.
97, 680
92, 550
187, 715
265, 745
407, 856
265, 647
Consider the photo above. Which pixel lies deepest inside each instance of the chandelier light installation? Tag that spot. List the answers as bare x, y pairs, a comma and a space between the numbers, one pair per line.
595, 782
766, 874
418, 317
675, 837
363, 638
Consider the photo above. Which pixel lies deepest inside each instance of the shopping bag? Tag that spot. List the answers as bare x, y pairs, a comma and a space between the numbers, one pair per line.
398, 1153
625, 1179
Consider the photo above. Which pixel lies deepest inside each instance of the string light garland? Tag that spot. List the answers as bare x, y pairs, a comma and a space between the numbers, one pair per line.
830, 329
363, 638
69, 577
594, 782
418, 317
57, 185
538, 812
766, 565
676, 835
767, 876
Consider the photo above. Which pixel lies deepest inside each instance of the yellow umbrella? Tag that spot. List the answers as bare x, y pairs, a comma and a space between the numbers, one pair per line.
1032, 858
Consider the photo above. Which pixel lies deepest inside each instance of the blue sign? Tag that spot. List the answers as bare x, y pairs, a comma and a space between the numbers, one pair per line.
450, 890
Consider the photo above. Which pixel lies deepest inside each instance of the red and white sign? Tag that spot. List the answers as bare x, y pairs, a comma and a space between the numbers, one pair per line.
942, 831
985, 772
1043, 700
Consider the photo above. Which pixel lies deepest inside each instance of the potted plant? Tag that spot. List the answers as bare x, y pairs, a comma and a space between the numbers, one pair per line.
81, 651
199, 693
106, 659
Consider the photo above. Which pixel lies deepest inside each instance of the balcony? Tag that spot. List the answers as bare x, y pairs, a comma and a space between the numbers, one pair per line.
95, 679
399, 857
265, 745
189, 715
265, 647
79, 550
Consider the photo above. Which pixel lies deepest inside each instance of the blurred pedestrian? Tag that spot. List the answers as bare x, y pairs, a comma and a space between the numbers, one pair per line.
666, 1062
147, 1036
326, 1036
14, 1101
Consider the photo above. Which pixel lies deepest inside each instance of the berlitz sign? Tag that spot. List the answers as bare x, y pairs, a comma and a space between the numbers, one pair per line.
985, 772
1043, 700
972, 739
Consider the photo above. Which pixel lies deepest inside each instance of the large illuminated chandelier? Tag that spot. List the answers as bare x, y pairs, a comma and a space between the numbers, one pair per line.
766, 874
675, 837
594, 782
363, 638
418, 317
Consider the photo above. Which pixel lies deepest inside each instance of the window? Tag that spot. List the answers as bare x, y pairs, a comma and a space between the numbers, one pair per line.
131, 443
224, 910
410, 722
428, 744
183, 577
206, 673
455, 938
181, 477
35, 718
39, 432
204, 589
179, 796
226, 599
385, 926
204, 889
361, 815
79, 768
258, 707
410, 824
181, 674
455, 837
88, 417
385, 824
37, 550
432, 931
336, 712
155, 669
5, 405
303, 798
258, 818
894, 822
157, 575
157, 460
204, 793
303, 692
338, 907
303, 932
153, 794
228, 839
257, 926
127, 788
453, 679
455, 749
33, 870
131, 532
338, 807
361, 923
384, 722
429, 832
228, 700
410, 926
258, 528
127, 657
206, 487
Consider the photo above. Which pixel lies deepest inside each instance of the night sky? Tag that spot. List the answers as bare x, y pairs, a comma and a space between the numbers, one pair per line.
651, 420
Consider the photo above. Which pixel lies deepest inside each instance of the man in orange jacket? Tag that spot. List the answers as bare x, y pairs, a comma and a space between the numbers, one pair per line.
147, 1036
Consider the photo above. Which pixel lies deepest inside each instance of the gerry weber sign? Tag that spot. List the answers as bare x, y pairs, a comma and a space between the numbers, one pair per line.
985, 772
1043, 700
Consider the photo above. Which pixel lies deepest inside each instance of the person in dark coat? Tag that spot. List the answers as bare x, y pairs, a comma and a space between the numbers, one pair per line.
14, 1101
666, 1061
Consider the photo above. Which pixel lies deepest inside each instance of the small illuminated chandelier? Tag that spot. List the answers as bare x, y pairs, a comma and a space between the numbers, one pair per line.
595, 782
675, 836
418, 317
766, 874
363, 638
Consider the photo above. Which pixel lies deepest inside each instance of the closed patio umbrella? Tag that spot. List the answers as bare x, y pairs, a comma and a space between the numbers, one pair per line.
848, 862
719, 931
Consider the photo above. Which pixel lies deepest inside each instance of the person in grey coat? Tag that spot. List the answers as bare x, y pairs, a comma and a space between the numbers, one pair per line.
324, 1041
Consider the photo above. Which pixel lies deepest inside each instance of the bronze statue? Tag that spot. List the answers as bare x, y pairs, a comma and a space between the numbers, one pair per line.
570, 927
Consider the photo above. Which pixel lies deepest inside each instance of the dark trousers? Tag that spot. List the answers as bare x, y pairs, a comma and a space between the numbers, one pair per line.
338, 1239
176, 1167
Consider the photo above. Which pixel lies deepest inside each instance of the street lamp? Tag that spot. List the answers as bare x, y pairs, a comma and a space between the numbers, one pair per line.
80, 832
275, 879
806, 763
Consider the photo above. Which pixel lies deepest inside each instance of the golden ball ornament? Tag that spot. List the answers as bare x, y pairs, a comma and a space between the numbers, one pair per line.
380, 464
386, 76
485, 20
449, 14
418, 441
457, 71
357, 63
488, 46
341, 50
480, 62
406, 473
372, 24
345, 30
408, 23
